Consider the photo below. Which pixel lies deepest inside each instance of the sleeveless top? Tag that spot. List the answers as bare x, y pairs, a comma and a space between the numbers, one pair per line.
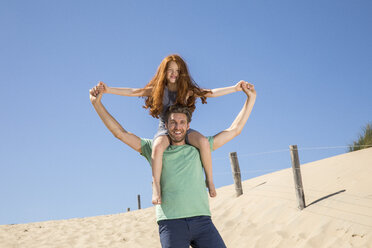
169, 98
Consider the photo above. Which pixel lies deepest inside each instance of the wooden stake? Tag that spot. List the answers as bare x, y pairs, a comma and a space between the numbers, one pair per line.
297, 176
236, 173
139, 201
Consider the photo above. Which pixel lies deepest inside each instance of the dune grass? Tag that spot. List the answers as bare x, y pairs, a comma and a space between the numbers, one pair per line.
364, 139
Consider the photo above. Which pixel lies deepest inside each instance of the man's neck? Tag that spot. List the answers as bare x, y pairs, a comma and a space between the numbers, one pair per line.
181, 143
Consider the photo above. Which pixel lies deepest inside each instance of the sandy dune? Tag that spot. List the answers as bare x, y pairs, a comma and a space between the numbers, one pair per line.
338, 194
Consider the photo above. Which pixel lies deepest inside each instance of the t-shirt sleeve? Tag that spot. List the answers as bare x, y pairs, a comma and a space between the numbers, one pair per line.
146, 149
211, 140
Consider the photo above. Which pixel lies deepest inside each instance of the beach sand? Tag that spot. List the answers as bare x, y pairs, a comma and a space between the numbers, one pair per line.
338, 213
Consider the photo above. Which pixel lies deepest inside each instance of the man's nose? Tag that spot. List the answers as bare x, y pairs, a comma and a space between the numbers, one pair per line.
177, 126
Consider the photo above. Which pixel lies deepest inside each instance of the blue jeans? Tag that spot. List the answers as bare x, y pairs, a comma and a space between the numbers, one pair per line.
199, 232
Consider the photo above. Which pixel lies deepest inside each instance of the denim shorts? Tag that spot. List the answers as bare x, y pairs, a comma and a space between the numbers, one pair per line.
199, 232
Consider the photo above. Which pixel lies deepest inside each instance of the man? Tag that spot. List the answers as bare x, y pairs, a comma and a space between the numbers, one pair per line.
184, 214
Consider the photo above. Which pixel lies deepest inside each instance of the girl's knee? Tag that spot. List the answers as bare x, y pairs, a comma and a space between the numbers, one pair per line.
198, 140
204, 143
160, 144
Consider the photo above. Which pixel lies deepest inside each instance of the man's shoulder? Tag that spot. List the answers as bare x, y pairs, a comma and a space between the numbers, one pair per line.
145, 140
146, 147
211, 140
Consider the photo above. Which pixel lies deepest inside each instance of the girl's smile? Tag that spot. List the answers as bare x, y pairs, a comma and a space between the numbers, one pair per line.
172, 72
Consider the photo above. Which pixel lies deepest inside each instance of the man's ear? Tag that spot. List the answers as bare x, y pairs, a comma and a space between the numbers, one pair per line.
188, 126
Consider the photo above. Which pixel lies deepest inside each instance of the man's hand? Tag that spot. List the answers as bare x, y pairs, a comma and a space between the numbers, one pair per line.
241, 84
249, 90
95, 94
103, 88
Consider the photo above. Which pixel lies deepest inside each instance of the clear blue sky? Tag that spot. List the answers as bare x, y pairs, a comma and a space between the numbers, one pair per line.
309, 60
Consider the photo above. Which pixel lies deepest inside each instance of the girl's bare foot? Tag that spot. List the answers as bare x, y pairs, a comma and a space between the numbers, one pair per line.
156, 195
211, 188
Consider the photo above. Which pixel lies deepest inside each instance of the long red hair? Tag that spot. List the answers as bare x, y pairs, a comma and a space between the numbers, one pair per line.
185, 83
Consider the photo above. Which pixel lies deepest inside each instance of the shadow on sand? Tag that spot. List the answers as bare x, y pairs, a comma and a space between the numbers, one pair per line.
327, 196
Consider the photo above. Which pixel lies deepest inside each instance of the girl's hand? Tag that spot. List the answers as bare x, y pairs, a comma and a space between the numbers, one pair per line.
238, 86
102, 87
189, 93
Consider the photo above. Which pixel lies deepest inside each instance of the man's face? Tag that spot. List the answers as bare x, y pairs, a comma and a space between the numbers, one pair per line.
177, 128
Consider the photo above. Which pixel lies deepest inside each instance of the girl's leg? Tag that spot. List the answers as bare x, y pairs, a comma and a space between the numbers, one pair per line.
202, 143
160, 144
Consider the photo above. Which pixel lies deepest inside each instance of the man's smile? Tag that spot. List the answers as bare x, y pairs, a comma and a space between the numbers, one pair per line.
177, 134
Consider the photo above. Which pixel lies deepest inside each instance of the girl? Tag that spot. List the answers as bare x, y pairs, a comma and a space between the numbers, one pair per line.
173, 84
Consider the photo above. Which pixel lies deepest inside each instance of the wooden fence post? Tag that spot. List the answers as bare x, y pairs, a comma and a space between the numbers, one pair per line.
297, 176
139, 201
236, 173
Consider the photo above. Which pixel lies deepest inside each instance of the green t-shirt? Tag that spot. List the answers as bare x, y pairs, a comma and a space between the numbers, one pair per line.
182, 182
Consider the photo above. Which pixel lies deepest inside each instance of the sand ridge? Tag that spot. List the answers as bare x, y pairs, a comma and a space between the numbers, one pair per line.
338, 195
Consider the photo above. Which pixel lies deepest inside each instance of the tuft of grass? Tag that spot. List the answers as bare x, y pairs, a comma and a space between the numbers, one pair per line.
364, 139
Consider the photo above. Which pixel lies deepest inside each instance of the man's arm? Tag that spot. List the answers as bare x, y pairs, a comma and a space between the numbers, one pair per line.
115, 128
237, 126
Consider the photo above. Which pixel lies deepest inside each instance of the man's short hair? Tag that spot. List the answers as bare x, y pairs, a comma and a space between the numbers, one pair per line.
178, 108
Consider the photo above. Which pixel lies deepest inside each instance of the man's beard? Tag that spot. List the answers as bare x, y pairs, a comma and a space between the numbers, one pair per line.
177, 139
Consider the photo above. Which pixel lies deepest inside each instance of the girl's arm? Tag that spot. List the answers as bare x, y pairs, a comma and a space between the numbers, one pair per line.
223, 91
124, 91
226, 90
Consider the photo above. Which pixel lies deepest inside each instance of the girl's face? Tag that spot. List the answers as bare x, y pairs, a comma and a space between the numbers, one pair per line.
172, 72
